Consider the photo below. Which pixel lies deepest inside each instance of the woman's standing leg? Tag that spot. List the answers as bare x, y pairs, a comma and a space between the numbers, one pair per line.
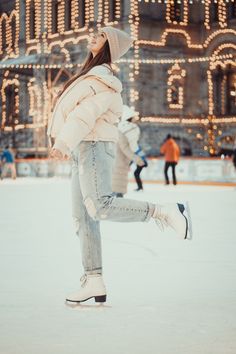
87, 228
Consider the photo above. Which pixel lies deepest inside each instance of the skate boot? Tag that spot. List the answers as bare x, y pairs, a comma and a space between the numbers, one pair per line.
91, 286
177, 216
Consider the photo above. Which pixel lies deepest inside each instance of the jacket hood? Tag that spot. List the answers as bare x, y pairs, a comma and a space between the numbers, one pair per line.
105, 75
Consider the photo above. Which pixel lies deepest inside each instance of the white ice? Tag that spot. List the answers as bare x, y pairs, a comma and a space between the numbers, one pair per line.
165, 296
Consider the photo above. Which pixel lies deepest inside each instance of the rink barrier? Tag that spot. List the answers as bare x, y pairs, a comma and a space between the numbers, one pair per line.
188, 169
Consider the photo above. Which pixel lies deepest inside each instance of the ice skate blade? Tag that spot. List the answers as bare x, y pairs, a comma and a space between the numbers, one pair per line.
189, 235
184, 209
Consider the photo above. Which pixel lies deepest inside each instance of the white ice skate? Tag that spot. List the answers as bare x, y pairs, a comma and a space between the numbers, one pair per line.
91, 286
176, 216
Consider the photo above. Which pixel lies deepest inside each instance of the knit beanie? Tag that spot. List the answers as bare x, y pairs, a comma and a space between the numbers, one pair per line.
119, 42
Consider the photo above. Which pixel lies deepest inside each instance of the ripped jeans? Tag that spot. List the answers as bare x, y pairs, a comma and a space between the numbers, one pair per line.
93, 200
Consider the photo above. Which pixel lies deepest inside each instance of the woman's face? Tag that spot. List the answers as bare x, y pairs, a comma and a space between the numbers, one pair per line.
96, 42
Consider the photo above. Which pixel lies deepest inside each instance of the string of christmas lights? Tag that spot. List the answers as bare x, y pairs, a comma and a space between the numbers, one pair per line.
213, 59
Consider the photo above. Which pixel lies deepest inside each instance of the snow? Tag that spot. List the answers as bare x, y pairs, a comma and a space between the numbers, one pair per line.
164, 295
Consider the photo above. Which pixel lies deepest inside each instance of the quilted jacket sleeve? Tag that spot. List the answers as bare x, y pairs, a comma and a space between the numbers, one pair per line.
133, 137
81, 120
125, 148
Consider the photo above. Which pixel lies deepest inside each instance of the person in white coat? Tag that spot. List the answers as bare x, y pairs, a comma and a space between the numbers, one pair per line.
128, 152
84, 126
127, 147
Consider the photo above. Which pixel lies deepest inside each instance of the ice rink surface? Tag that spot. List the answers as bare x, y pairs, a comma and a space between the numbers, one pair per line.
165, 296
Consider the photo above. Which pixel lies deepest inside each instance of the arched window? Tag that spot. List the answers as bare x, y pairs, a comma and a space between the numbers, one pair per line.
81, 18
4, 40
32, 20
232, 9
13, 32
68, 22
215, 12
224, 91
10, 105
55, 9
175, 90
218, 13
176, 11
114, 10
230, 74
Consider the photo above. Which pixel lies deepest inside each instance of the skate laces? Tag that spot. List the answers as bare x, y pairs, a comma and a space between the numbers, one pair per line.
160, 218
83, 280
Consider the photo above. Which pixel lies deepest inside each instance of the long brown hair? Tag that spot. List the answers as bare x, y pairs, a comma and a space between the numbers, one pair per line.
102, 57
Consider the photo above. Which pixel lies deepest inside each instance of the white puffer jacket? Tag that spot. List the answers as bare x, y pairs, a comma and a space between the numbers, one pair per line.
89, 109
127, 145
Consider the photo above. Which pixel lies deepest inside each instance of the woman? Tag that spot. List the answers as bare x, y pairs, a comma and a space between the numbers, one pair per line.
126, 152
84, 125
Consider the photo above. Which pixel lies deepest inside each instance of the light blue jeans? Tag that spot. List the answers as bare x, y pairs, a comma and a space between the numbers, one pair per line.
93, 200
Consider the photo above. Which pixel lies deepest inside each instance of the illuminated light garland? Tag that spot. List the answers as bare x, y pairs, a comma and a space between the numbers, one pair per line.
61, 44
168, 31
223, 94
176, 75
222, 14
33, 49
187, 121
134, 30
224, 46
107, 11
91, 11
14, 48
190, 1
222, 64
44, 34
74, 13
170, 8
100, 13
207, 15
210, 93
60, 18
134, 95
210, 59
25, 126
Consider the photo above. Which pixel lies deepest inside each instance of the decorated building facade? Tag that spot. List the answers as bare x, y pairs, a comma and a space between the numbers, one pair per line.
180, 75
